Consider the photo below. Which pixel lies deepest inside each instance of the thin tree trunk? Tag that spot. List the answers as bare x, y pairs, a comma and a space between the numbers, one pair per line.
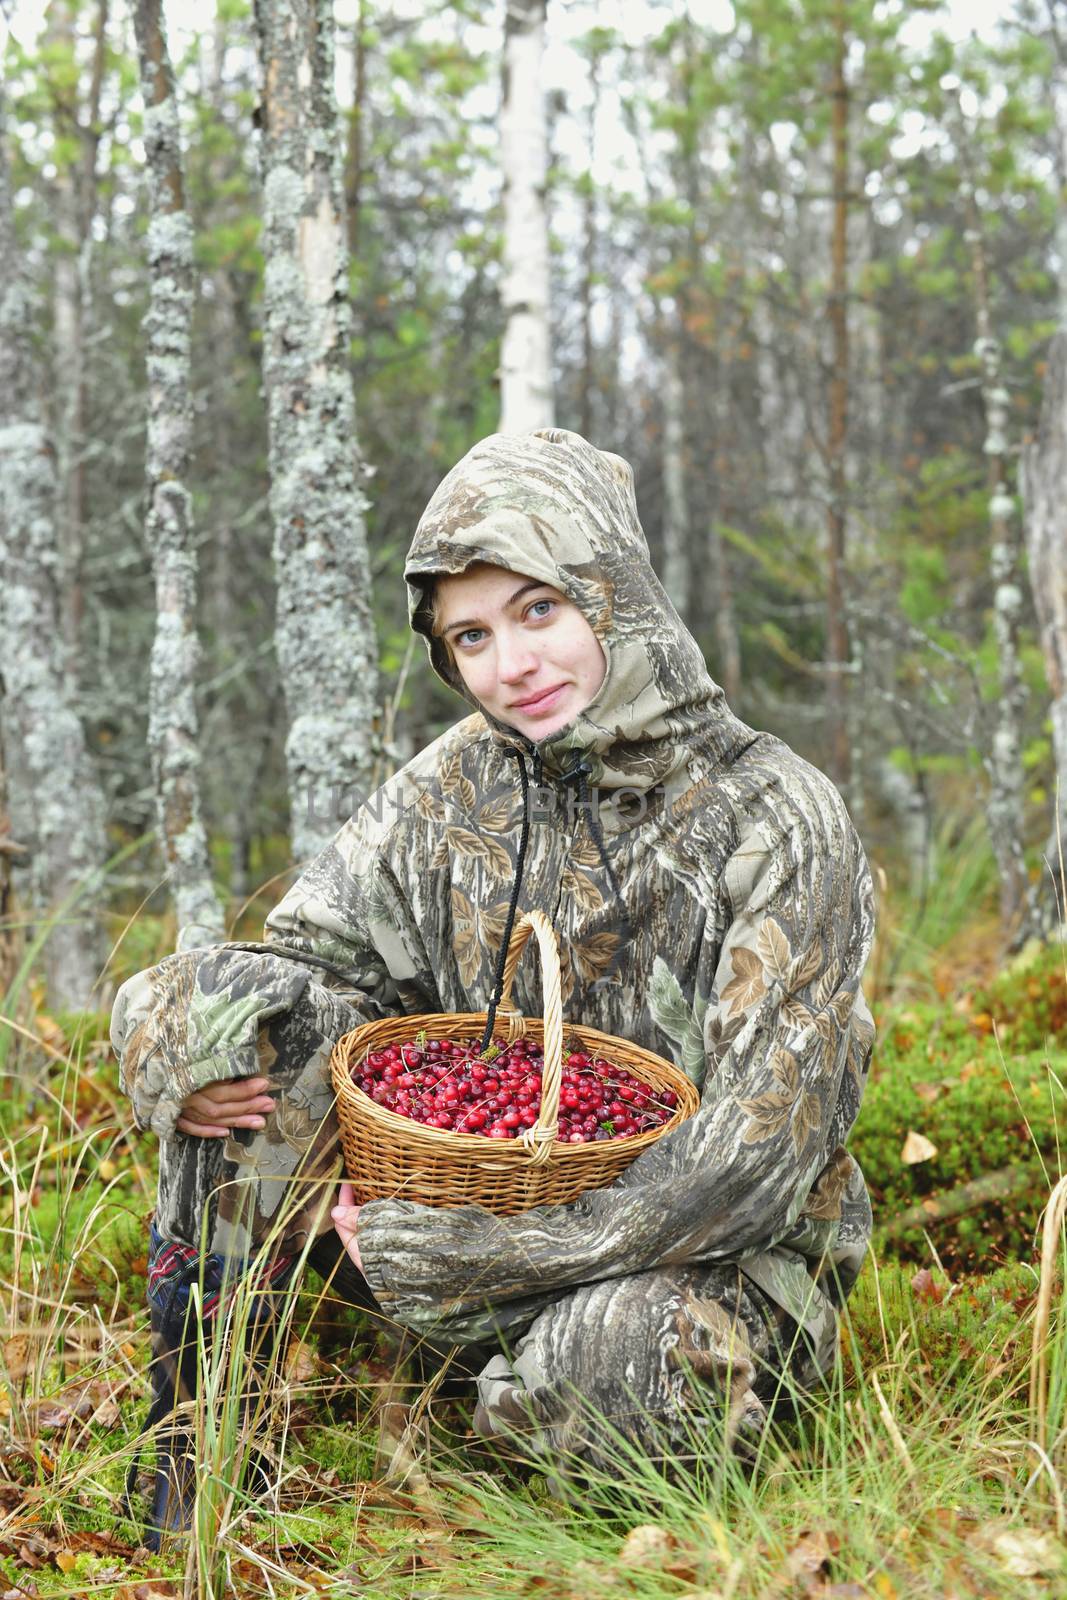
173, 730
76, 206
724, 615
325, 629
675, 503
837, 645
525, 353
357, 133
1004, 760
1043, 473
44, 743
589, 256
11, 851
1044, 483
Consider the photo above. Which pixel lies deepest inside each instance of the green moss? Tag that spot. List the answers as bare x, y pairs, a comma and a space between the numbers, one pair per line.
946, 1076
1027, 1005
970, 1329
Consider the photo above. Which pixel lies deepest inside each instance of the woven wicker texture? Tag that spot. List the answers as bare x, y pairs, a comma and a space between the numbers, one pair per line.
389, 1156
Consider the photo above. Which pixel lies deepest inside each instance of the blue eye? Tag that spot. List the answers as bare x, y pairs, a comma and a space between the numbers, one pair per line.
534, 612
471, 635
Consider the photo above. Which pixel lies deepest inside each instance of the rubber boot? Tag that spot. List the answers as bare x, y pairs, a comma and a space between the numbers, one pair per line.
173, 1373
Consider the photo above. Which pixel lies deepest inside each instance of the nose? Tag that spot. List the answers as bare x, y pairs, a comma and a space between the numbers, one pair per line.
514, 659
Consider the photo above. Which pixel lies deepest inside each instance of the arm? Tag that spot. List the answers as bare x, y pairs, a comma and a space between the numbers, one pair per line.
330, 953
787, 1037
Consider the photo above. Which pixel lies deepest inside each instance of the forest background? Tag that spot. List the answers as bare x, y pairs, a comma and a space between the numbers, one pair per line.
264, 276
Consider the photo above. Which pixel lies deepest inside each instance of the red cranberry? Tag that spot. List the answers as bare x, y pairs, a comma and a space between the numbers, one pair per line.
442, 1083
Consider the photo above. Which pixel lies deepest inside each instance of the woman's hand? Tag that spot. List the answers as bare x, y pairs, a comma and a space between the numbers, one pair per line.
345, 1217
214, 1112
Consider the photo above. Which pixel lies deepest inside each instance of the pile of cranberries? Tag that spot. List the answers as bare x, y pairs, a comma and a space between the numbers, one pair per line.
445, 1084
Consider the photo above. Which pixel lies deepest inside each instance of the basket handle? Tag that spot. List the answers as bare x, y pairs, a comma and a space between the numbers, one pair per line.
540, 1138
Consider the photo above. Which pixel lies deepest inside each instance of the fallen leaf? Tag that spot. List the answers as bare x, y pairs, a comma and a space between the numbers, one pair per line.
917, 1147
106, 1414
49, 1032
1026, 1553
812, 1552
18, 1355
66, 1560
154, 1589
302, 1364
924, 1286
644, 1544
927, 1091
805, 1566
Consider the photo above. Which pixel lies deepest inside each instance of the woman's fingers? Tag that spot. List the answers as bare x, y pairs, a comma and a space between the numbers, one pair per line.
228, 1110
203, 1130
231, 1102
235, 1091
345, 1219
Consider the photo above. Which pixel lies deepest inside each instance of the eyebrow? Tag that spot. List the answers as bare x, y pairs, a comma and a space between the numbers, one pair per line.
475, 622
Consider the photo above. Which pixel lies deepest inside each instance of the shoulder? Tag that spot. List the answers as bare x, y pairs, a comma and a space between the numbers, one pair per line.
771, 786
765, 817
453, 771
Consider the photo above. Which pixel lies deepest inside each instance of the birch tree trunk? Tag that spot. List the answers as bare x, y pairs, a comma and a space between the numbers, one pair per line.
1044, 475
76, 208
1004, 761
173, 731
56, 789
589, 244
325, 629
1044, 487
525, 353
837, 645
675, 504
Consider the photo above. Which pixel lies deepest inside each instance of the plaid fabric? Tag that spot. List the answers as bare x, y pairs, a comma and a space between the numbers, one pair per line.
174, 1267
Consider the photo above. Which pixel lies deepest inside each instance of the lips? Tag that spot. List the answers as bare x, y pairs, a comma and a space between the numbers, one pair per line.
539, 702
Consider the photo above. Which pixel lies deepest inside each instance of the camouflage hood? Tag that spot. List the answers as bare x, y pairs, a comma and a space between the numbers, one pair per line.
549, 505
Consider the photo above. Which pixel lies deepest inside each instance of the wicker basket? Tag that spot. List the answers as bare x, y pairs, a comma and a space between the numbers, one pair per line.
390, 1156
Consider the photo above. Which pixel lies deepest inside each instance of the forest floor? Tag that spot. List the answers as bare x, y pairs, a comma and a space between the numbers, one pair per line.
934, 1464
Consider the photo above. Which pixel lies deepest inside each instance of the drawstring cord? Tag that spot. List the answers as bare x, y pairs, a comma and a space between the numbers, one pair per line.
591, 811
579, 771
516, 889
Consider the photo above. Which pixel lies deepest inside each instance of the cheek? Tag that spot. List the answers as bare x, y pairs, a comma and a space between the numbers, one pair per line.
476, 673
594, 664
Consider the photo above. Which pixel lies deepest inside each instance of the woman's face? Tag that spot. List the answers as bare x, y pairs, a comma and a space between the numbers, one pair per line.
525, 652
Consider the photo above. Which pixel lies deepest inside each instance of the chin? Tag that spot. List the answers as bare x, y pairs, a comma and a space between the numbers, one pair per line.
544, 730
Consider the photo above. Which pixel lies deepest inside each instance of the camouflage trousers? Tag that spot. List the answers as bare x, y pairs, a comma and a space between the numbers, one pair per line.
665, 1364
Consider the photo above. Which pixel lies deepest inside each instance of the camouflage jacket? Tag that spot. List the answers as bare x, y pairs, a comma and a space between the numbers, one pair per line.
725, 924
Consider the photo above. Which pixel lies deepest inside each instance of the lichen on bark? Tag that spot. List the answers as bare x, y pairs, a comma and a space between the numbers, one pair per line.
56, 798
173, 728
324, 630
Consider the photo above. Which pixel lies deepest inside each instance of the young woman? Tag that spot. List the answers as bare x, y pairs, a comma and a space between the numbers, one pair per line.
712, 904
